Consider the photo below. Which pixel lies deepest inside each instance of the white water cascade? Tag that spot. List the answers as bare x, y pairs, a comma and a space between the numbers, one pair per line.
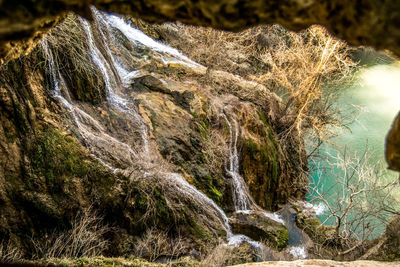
244, 203
108, 147
241, 197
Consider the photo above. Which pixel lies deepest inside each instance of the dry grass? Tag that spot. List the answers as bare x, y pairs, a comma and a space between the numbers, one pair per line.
221, 255
9, 253
84, 239
307, 70
68, 39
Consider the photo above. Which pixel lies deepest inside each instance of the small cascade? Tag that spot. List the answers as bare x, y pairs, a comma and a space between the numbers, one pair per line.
298, 240
168, 54
111, 82
244, 203
89, 128
185, 188
241, 197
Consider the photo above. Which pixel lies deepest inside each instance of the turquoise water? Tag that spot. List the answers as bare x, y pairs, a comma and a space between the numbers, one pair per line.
375, 95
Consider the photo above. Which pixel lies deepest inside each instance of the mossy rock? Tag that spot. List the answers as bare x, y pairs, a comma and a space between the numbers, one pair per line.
261, 170
102, 261
58, 158
260, 228
320, 234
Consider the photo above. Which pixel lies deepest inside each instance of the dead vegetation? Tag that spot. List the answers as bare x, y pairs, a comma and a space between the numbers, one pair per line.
308, 70
156, 244
9, 253
84, 239
360, 199
69, 44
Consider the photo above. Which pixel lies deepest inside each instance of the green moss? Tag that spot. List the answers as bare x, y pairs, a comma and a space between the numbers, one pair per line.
271, 135
314, 229
200, 232
100, 261
283, 239
10, 136
202, 126
262, 117
251, 147
162, 209
215, 192
266, 154
58, 157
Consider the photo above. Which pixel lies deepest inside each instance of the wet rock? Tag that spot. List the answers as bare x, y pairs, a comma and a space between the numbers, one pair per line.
260, 228
320, 234
387, 245
149, 83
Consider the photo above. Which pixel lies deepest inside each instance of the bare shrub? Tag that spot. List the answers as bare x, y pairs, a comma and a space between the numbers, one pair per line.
84, 239
156, 243
68, 39
9, 253
359, 197
308, 70
224, 255
216, 149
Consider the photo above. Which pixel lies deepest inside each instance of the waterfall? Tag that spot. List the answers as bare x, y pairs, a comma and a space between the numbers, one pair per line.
111, 83
244, 203
169, 54
241, 197
108, 147
102, 144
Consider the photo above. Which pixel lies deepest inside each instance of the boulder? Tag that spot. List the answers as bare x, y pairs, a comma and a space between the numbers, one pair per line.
259, 227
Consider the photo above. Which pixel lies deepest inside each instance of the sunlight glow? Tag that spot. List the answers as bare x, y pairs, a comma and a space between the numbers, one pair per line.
383, 92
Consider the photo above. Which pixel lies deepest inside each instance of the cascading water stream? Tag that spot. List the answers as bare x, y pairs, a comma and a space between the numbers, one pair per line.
95, 137
139, 38
81, 118
244, 203
98, 141
111, 83
241, 197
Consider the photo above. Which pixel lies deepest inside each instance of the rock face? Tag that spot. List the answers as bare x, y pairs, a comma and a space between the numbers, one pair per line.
368, 22
145, 142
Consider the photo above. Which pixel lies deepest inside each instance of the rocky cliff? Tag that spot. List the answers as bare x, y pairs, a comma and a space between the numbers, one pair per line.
370, 23
101, 119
